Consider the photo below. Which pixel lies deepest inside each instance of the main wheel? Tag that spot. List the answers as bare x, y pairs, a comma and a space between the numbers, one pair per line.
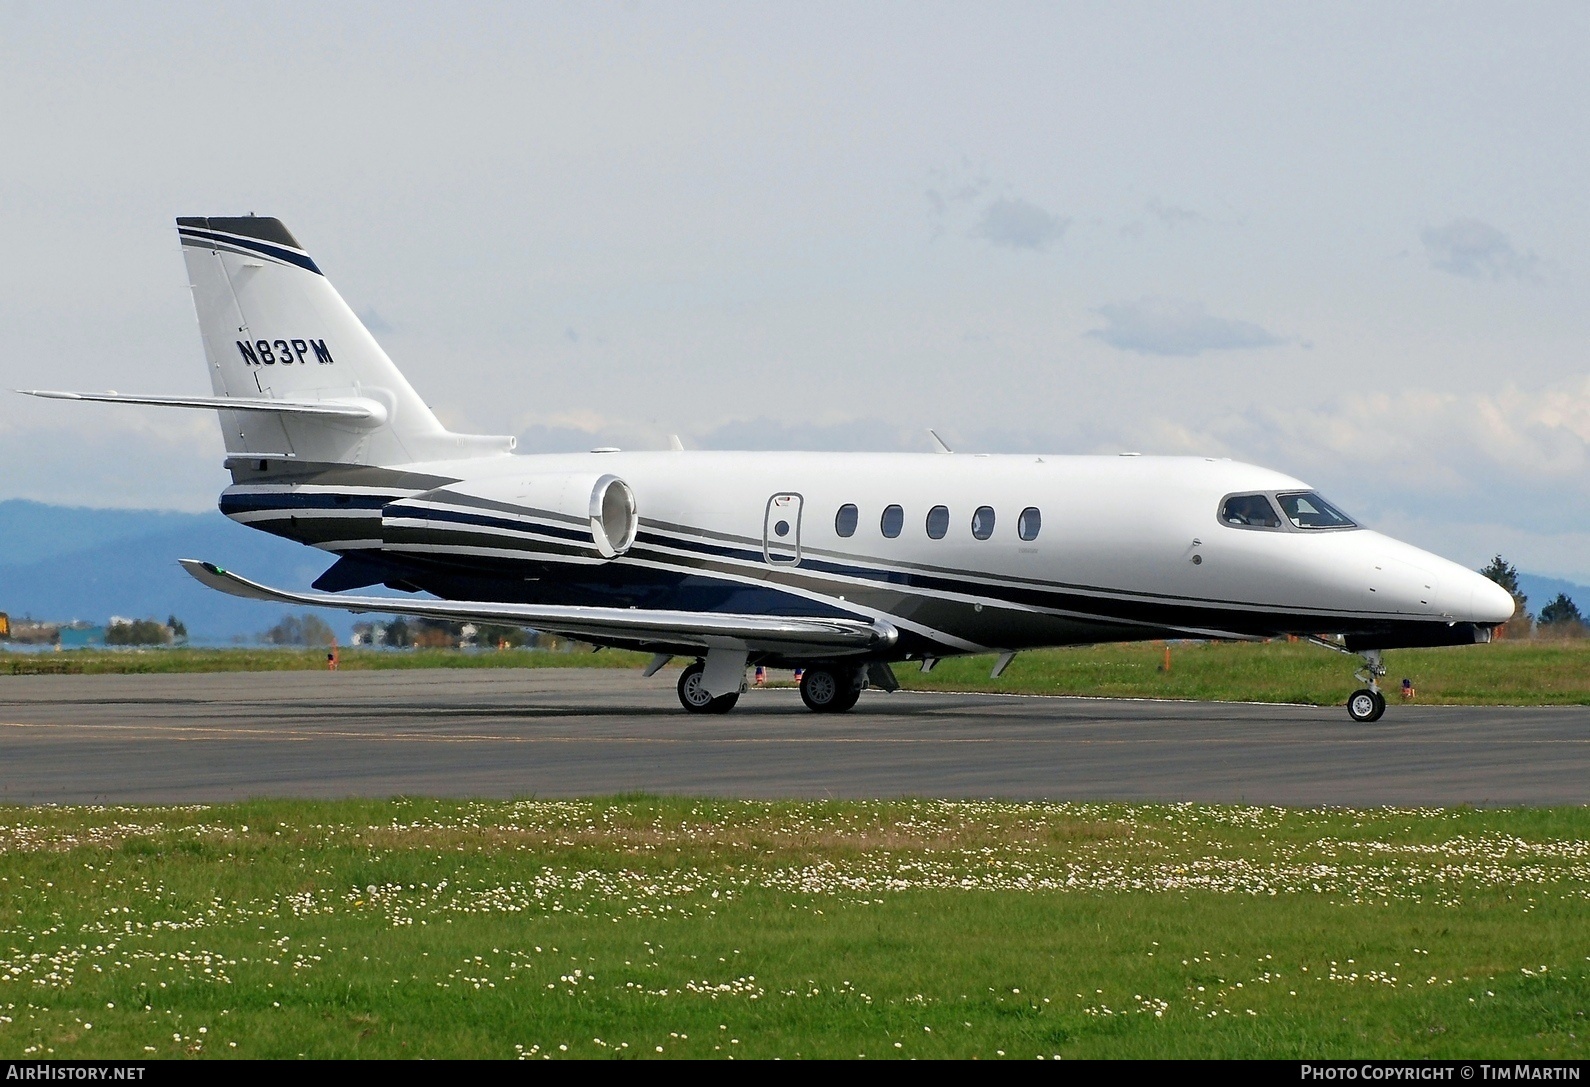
694, 697
829, 690
1366, 706
850, 693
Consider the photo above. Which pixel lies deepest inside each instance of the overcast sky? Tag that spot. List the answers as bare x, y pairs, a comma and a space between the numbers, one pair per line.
1348, 242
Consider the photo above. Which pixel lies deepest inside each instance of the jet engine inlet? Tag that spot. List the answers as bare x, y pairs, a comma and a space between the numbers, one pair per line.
614, 520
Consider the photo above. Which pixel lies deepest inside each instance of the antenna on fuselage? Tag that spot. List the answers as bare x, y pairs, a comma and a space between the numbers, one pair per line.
938, 441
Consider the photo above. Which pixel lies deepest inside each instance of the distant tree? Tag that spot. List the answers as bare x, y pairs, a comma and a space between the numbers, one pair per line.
300, 630
179, 632
1506, 575
437, 634
1561, 616
138, 632
398, 635
494, 637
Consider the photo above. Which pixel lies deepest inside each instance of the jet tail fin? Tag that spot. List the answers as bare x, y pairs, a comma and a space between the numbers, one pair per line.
275, 330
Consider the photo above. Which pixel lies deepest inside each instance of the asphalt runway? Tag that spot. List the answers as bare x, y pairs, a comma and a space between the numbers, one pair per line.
577, 732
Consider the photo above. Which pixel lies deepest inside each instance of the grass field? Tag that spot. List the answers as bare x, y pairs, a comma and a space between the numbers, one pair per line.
640, 927
1535, 672
1529, 672
79, 662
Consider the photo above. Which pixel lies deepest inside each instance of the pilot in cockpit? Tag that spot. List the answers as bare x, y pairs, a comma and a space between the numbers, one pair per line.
1251, 509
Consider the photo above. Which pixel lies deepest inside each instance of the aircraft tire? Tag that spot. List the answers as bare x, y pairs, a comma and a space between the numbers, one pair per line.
696, 700
847, 700
724, 703
1365, 706
829, 690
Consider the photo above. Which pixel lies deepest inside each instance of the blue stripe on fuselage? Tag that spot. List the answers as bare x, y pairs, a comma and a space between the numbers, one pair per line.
462, 517
252, 502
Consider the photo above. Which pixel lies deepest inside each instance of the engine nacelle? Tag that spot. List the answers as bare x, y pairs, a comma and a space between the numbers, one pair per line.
614, 516
602, 504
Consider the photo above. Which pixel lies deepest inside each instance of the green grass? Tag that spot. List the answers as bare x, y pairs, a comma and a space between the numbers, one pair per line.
1532, 672
79, 662
644, 927
1536, 672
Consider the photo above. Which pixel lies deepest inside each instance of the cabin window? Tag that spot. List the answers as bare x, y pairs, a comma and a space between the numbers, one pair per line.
1309, 510
1249, 511
1028, 524
845, 520
983, 522
892, 522
938, 522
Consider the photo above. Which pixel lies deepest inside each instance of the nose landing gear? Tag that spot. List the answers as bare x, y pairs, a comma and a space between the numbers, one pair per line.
1368, 704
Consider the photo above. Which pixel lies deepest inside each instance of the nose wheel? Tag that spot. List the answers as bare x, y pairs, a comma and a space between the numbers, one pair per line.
1368, 704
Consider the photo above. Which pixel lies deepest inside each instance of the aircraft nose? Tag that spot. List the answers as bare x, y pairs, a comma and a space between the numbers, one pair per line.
1492, 603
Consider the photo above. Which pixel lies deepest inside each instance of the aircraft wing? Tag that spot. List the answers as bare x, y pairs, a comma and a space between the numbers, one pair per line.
631, 626
352, 407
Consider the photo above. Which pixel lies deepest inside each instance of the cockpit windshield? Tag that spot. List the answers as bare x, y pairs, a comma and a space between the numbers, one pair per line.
1309, 510
1249, 511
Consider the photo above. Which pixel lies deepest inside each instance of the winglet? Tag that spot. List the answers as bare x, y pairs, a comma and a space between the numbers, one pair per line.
214, 577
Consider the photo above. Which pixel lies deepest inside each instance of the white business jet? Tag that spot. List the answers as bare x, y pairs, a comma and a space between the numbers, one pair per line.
837, 563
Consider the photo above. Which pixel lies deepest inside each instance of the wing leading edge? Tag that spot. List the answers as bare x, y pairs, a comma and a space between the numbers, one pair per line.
681, 630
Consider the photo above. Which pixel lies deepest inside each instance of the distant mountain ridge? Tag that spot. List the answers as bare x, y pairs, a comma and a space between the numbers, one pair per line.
64, 562
61, 563
31, 531
1543, 590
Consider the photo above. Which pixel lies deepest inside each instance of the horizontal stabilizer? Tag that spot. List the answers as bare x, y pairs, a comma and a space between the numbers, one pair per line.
371, 412
632, 626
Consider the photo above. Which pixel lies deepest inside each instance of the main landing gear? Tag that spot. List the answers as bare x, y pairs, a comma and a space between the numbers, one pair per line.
1368, 704
825, 688
831, 690
694, 697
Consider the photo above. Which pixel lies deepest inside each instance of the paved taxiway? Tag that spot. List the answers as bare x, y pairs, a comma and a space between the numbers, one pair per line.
566, 732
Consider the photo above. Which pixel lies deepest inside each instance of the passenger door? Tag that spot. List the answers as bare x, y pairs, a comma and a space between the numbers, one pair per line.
781, 530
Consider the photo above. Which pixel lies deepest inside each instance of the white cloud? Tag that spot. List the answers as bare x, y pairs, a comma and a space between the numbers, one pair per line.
1505, 470
1168, 326
851, 435
1016, 224
1173, 215
1513, 439
127, 457
1476, 250
954, 187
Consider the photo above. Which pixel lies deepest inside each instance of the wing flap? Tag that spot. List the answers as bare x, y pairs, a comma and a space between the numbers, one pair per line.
701, 630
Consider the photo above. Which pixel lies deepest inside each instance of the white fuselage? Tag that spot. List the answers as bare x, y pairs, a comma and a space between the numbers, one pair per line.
1128, 545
